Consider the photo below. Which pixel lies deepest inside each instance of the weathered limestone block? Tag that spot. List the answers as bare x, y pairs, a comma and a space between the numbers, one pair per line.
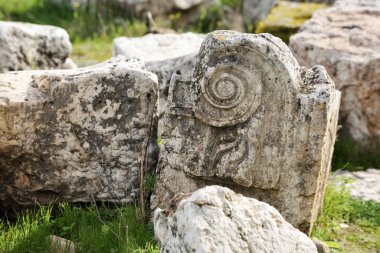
215, 219
350, 51
251, 118
75, 135
27, 46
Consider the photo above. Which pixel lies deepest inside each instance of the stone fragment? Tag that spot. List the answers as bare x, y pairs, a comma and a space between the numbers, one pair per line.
75, 135
215, 219
321, 246
60, 245
26, 46
251, 118
350, 51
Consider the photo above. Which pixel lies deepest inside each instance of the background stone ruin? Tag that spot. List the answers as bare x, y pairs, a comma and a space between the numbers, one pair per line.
27, 46
350, 50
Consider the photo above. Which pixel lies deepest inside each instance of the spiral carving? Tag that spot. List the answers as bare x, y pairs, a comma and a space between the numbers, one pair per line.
229, 95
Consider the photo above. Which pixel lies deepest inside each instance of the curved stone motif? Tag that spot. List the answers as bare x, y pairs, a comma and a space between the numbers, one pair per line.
229, 95
252, 119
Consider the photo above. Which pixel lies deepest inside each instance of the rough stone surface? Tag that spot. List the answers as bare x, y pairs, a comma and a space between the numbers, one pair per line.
251, 118
164, 70
350, 51
26, 46
365, 184
75, 135
158, 47
215, 219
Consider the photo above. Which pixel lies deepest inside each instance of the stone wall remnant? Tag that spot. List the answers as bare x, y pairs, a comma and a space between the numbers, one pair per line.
215, 219
252, 119
75, 135
25, 46
350, 51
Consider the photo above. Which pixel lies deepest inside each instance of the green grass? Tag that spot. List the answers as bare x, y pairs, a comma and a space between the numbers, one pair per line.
91, 51
101, 228
286, 18
103, 19
362, 217
349, 156
92, 229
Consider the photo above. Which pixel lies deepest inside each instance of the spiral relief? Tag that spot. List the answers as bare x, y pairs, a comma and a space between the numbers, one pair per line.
229, 95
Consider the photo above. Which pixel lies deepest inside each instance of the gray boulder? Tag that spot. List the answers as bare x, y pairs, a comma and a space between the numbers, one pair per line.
27, 46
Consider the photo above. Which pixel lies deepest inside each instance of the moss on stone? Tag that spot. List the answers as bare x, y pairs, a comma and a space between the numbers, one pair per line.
286, 18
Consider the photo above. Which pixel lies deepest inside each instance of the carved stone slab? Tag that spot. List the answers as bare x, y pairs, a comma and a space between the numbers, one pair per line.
74, 135
250, 118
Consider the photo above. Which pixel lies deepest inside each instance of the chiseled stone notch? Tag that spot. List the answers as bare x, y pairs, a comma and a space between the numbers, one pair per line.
252, 119
75, 135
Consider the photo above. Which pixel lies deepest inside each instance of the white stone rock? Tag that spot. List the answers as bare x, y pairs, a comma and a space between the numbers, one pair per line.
75, 135
158, 47
252, 119
26, 46
364, 184
346, 40
215, 219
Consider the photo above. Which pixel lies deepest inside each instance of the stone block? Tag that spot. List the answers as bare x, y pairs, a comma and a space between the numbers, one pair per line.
252, 119
346, 40
76, 135
25, 46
